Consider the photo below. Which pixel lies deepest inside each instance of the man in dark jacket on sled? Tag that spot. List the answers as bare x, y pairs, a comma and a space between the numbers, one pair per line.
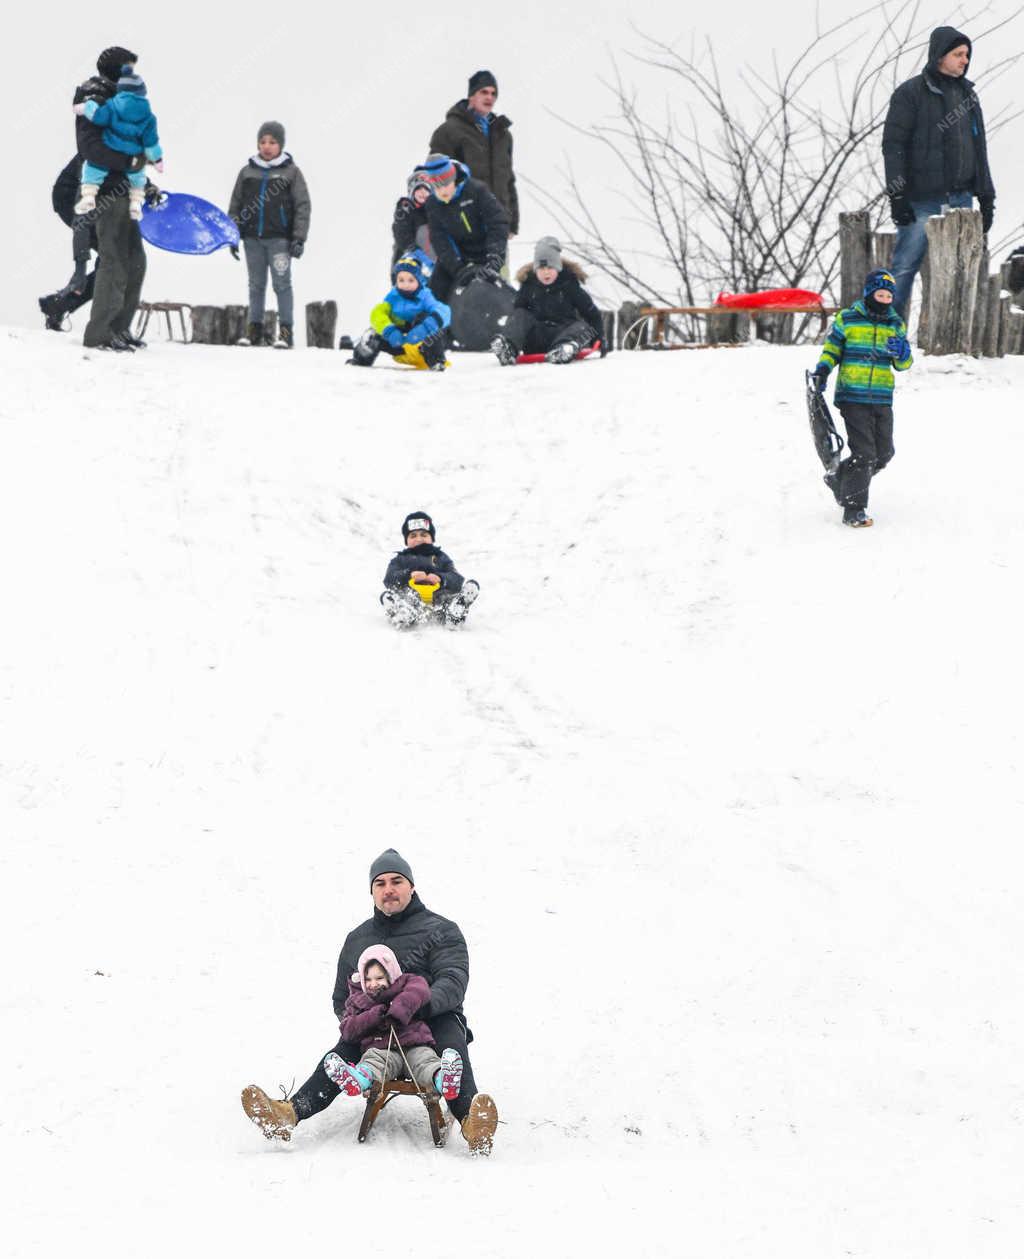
425, 944
554, 315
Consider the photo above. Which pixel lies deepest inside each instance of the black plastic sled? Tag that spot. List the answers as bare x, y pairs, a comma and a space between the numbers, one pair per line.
479, 312
827, 441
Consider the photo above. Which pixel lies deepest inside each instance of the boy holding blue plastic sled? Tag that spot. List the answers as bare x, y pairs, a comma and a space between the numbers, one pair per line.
867, 342
409, 324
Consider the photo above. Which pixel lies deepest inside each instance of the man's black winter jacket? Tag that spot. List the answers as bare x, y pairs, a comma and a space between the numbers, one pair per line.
934, 141
424, 943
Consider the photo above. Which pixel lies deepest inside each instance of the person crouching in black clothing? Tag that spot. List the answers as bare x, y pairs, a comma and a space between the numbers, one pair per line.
554, 314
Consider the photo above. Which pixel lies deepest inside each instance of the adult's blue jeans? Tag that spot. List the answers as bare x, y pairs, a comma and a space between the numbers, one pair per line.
912, 244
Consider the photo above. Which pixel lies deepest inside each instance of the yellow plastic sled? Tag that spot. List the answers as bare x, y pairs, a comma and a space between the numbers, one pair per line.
412, 357
425, 592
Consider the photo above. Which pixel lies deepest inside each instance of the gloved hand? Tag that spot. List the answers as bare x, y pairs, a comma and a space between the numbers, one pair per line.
233, 250
820, 378
898, 347
296, 248
392, 336
152, 194
987, 206
491, 269
465, 275
902, 211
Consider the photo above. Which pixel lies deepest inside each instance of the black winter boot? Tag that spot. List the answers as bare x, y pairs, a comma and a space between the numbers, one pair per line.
253, 335
285, 340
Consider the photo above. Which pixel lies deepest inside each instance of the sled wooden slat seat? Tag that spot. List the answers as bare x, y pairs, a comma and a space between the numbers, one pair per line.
379, 1096
145, 309
659, 316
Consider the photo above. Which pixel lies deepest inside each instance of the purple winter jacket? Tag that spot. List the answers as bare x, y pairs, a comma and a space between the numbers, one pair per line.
369, 1020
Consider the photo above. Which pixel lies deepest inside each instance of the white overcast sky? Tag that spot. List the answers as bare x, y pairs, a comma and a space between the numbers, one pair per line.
360, 91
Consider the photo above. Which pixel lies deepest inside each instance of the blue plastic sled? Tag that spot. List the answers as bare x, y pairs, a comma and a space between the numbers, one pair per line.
187, 225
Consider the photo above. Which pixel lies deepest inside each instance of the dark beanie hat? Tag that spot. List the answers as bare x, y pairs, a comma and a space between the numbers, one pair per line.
110, 61
130, 81
482, 78
417, 520
391, 862
274, 129
876, 280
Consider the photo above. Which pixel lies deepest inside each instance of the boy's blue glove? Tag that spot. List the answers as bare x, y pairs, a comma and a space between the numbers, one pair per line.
898, 347
393, 336
820, 378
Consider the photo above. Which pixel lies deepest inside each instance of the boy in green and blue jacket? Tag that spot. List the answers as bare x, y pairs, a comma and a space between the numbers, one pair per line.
866, 342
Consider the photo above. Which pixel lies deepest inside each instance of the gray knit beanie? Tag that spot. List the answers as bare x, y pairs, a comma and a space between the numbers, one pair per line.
274, 129
548, 253
391, 862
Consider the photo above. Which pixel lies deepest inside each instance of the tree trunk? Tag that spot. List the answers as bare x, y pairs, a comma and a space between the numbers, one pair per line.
236, 320
854, 254
208, 325
954, 252
321, 324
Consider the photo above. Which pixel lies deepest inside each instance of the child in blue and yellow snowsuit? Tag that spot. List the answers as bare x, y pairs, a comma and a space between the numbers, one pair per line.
866, 342
409, 324
129, 126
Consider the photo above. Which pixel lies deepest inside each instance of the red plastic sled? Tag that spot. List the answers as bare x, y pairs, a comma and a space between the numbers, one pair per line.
770, 297
539, 358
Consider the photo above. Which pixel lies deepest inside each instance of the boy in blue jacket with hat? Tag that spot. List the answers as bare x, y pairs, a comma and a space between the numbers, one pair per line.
408, 323
867, 342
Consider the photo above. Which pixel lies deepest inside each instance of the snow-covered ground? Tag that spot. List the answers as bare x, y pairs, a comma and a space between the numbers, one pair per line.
723, 795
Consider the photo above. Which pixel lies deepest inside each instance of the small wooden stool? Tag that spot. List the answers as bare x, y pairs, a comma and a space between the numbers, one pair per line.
145, 309
379, 1096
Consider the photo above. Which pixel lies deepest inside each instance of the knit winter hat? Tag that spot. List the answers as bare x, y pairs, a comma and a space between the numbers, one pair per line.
418, 180
548, 253
110, 61
412, 266
876, 280
383, 956
482, 78
274, 129
129, 81
417, 520
391, 862
438, 169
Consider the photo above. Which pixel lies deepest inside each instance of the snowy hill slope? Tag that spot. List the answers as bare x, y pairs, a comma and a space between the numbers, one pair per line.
723, 795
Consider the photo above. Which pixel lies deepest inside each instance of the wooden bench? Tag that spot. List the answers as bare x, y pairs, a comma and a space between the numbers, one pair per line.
145, 309
661, 315
380, 1094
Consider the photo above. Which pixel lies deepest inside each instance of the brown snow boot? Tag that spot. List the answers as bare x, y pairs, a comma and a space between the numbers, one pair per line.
274, 1119
480, 1124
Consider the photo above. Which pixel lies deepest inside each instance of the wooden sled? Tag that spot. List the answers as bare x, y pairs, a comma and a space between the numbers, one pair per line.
379, 1096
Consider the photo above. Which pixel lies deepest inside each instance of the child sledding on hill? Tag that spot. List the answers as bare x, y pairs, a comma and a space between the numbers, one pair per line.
408, 324
129, 126
381, 1016
866, 342
554, 315
421, 582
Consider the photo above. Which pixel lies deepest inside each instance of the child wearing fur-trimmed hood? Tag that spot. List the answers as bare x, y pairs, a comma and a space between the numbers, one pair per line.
554, 315
381, 1015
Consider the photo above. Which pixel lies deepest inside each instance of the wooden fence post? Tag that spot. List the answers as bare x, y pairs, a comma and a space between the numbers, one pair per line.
954, 251
321, 324
990, 339
883, 244
236, 319
208, 325
629, 313
980, 305
854, 254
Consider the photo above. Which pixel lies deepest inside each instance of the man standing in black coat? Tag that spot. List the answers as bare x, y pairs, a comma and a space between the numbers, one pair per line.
935, 153
468, 226
425, 944
79, 289
118, 283
474, 134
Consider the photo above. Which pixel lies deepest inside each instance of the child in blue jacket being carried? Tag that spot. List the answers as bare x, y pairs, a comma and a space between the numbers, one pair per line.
408, 324
866, 342
129, 126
